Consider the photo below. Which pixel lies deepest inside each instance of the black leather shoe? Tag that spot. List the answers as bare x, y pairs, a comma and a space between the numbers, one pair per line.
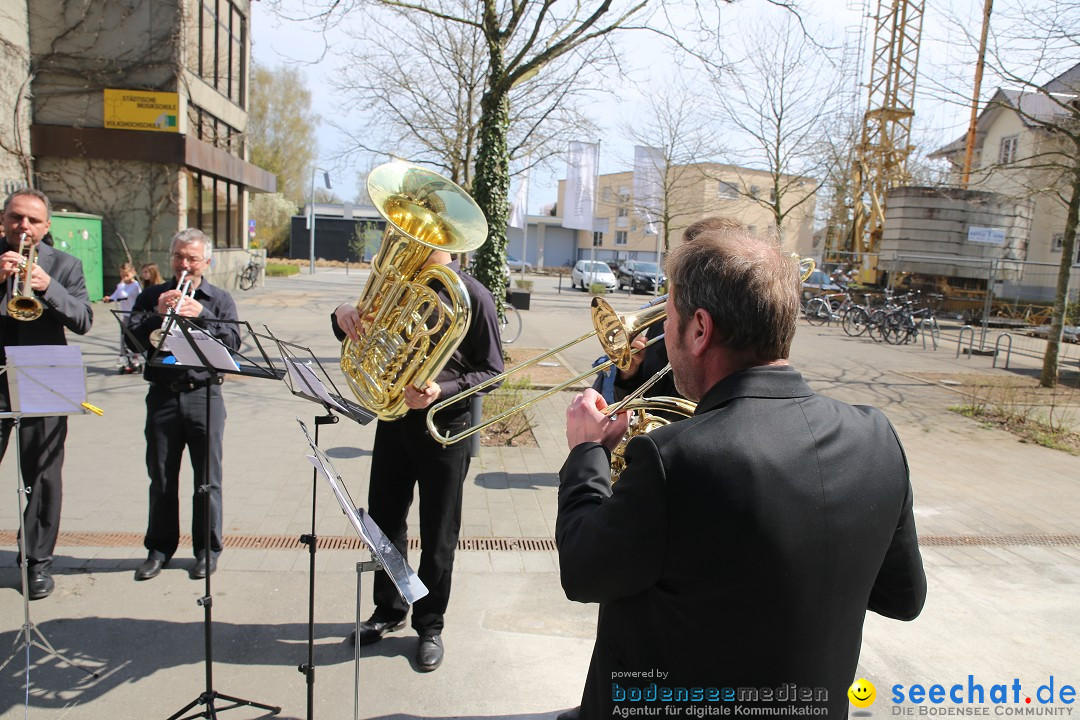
151, 568
201, 566
430, 653
40, 583
372, 630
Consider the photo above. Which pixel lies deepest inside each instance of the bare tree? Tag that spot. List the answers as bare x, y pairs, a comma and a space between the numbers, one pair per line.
781, 99
1033, 50
521, 40
424, 105
679, 138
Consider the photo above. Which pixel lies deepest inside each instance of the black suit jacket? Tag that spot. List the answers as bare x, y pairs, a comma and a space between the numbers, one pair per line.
67, 304
741, 547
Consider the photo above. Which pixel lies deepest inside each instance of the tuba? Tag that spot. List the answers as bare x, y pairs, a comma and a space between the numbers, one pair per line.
409, 331
23, 305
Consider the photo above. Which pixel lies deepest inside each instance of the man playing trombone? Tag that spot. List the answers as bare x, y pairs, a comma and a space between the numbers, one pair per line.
176, 406
741, 547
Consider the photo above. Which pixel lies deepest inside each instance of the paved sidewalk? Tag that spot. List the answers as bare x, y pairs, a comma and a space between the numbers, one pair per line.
999, 520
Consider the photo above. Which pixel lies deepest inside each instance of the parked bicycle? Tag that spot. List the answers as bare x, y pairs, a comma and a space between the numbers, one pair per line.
249, 274
510, 324
826, 308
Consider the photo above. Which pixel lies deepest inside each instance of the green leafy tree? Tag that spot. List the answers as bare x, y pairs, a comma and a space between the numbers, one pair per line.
281, 128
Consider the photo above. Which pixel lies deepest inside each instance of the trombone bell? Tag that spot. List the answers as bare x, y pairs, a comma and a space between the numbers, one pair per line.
617, 332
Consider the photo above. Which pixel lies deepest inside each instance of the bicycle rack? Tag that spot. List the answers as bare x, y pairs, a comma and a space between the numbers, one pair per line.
1008, 350
971, 343
933, 335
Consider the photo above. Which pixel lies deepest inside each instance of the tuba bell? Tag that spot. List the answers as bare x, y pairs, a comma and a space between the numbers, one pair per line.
23, 305
409, 331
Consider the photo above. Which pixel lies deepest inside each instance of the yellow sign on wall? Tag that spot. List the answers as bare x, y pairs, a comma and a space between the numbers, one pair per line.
142, 110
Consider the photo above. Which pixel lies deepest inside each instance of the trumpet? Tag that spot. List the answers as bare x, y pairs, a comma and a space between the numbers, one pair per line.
158, 337
23, 305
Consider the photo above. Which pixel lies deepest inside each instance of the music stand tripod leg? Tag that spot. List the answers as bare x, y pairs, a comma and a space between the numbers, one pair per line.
208, 697
312, 541
24, 639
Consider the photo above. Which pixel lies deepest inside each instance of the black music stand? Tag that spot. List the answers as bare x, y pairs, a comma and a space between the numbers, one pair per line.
187, 345
383, 553
45, 381
303, 381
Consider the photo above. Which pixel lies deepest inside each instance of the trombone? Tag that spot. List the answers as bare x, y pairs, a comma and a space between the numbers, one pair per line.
159, 336
616, 333
23, 305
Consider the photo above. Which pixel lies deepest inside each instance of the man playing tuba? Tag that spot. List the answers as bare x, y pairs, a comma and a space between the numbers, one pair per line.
405, 457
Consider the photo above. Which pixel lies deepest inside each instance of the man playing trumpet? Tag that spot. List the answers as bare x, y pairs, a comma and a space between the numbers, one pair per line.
176, 408
741, 547
57, 283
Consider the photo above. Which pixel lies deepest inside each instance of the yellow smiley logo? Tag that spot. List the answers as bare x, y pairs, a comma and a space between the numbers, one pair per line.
862, 693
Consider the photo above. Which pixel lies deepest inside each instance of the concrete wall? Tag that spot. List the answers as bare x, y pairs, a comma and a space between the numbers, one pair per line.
14, 96
935, 221
80, 48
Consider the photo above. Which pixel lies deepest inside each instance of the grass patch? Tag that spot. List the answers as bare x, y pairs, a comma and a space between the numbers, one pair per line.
1044, 416
281, 270
515, 430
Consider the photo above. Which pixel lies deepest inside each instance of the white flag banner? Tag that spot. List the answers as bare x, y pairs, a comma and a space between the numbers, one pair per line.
520, 204
580, 189
649, 166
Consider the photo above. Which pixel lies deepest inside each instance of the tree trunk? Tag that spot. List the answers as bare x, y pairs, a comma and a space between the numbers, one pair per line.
1049, 375
491, 179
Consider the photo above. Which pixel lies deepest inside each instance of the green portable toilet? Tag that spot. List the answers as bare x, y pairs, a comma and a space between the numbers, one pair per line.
79, 234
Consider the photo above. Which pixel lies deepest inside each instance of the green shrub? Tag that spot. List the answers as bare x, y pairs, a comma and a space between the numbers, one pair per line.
525, 285
281, 270
597, 288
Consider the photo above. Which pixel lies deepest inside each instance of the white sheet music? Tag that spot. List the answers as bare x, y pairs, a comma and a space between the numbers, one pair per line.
48, 378
215, 353
307, 383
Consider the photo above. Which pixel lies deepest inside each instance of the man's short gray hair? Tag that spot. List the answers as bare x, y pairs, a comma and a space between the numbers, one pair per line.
190, 235
30, 192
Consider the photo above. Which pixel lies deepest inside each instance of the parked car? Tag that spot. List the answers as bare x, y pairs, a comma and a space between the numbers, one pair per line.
819, 282
514, 264
587, 272
640, 275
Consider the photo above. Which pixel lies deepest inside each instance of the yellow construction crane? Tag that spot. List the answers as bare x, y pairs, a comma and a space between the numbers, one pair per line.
879, 160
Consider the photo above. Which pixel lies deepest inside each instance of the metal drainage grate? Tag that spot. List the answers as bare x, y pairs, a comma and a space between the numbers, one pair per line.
284, 542
1042, 540
493, 544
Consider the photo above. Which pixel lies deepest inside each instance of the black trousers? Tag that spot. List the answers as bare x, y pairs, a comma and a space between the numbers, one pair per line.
175, 421
405, 457
41, 445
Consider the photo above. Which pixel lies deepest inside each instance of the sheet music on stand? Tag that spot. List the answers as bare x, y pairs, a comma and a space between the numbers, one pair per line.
49, 379
303, 381
189, 345
405, 580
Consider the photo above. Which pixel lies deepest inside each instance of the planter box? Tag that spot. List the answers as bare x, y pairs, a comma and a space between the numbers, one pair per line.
518, 298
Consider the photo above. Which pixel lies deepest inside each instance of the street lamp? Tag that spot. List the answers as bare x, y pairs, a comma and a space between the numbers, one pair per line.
311, 217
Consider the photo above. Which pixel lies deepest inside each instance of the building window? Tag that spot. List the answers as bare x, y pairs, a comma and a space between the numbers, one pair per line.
221, 38
216, 132
213, 206
727, 190
1007, 154
620, 237
1056, 242
597, 239
622, 211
